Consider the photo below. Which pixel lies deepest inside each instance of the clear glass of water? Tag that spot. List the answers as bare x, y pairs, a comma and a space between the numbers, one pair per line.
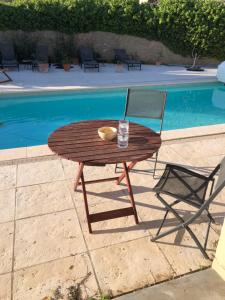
123, 134
123, 127
122, 140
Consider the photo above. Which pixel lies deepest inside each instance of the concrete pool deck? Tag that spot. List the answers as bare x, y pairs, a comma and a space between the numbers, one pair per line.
44, 240
57, 79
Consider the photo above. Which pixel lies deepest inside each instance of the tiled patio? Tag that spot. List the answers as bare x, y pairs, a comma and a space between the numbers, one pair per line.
44, 240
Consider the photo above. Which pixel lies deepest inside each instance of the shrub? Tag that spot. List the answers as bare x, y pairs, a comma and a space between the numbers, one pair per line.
188, 24
179, 24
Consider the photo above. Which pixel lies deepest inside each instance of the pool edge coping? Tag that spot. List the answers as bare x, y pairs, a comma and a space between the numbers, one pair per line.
168, 136
90, 88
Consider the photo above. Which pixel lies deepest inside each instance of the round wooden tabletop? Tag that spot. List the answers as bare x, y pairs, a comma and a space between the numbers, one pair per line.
80, 142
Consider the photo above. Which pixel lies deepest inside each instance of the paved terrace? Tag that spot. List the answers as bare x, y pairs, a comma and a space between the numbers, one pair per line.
107, 77
44, 237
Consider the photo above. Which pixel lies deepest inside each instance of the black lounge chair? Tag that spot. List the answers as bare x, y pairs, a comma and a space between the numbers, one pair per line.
9, 59
193, 189
6, 77
87, 60
41, 56
122, 56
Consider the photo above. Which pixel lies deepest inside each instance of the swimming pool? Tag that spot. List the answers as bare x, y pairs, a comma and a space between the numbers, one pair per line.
28, 119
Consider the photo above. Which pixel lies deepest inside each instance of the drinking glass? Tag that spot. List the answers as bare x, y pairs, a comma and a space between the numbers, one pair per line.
122, 140
123, 134
123, 127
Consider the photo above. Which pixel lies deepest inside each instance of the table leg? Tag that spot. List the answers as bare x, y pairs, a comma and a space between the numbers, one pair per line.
80, 171
101, 216
122, 176
126, 175
85, 201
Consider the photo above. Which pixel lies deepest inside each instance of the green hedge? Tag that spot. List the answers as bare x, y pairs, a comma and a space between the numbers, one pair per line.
179, 24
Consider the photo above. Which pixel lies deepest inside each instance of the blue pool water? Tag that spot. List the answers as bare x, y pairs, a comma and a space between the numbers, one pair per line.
28, 119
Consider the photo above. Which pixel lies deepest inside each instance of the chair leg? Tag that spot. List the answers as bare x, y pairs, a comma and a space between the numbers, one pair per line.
163, 221
207, 234
210, 217
165, 216
179, 227
156, 159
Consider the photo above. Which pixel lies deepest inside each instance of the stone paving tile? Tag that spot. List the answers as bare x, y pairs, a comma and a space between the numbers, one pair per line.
90, 172
7, 205
178, 245
184, 256
7, 176
6, 246
201, 148
43, 198
168, 154
128, 266
204, 165
39, 172
112, 231
70, 168
44, 238
5, 286
41, 281
99, 192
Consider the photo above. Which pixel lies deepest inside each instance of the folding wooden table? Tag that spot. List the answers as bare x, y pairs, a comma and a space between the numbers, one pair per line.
80, 142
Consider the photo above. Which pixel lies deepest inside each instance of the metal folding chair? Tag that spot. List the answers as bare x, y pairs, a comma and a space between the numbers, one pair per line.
146, 104
192, 188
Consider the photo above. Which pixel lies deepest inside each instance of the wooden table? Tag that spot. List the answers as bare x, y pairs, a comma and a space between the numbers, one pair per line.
80, 142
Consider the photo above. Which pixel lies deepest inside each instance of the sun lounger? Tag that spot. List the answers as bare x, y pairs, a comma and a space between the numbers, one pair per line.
9, 59
122, 56
87, 60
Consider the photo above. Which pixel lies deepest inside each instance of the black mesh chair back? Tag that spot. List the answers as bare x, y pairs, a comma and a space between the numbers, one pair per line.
143, 103
42, 53
86, 53
121, 54
181, 182
7, 51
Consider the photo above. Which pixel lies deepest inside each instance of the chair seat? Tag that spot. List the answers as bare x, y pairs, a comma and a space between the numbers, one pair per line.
132, 62
90, 62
